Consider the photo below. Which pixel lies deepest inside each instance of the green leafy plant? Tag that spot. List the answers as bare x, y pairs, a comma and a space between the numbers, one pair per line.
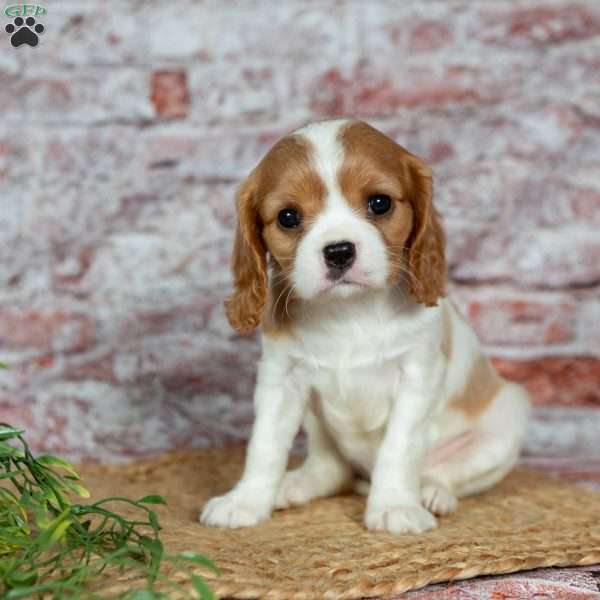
52, 547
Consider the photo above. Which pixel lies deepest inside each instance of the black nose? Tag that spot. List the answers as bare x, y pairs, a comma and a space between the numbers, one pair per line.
340, 255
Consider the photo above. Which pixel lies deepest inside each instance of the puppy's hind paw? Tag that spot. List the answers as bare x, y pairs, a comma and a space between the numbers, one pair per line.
400, 519
231, 510
437, 498
296, 488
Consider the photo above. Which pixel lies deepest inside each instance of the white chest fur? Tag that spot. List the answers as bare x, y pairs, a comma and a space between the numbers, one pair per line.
353, 356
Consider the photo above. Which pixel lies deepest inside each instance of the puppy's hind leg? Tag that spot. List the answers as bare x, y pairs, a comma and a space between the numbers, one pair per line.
323, 473
491, 452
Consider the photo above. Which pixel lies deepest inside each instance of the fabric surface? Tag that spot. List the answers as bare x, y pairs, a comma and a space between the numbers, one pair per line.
322, 550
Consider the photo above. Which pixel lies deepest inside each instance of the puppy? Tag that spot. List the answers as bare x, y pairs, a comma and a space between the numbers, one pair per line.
339, 254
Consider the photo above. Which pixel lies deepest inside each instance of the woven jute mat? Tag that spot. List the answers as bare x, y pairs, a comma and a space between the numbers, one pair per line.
322, 550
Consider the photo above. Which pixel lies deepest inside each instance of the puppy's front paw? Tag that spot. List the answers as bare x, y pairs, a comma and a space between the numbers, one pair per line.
233, 510
399, 519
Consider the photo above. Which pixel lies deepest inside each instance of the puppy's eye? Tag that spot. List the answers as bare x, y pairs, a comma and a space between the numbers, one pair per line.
379, 204
288, 218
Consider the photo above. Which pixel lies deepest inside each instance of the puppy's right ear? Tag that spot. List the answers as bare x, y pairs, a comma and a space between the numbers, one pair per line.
245, 307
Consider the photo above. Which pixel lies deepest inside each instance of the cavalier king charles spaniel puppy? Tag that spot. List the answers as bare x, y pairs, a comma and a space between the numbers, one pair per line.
339, 255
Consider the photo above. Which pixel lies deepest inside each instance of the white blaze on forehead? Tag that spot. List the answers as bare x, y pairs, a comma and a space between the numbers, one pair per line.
327, 155
336, 223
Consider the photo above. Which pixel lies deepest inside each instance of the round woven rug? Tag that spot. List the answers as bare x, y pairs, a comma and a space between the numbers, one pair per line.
322, 550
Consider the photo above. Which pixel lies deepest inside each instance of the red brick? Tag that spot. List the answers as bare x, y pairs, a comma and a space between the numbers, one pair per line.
429, 35
589, 323
15, 154
16, 413
76, 158
440, 151
6, 150
542, 258
330, 95
481, 192
556, 380
92, 33
70, 269
515, 321
419, 89
372, 91
95, 369
585, 206
554, 201
84, 95
214, 156
46, 330
542, 25
240, 94
169, 94
229, 33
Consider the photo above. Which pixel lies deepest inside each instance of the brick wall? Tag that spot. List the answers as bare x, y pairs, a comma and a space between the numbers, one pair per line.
124, 134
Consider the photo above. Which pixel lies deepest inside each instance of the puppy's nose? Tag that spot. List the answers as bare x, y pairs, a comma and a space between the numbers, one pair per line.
340, 255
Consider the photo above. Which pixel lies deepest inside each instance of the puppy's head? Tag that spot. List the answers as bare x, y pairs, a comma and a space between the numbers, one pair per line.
339, 208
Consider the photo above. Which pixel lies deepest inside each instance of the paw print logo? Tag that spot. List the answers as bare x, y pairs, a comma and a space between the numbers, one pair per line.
24, 31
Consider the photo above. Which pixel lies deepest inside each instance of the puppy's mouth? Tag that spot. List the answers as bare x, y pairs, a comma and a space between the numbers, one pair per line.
345, 277
349, 282
340, 276
345, 281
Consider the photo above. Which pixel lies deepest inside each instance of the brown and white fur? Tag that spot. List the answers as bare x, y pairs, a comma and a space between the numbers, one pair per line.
386, 377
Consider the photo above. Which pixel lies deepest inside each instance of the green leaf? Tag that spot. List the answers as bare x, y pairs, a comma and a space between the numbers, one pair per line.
52, 547
8, 450
53, 530
81, 491
198, 559
153, 521
142, 595
54, 461
12, 537
59, 588
153, 499
7, 433
17, 593
59, 531
156, 550
202, 588
22, 578
3, 365
24, 592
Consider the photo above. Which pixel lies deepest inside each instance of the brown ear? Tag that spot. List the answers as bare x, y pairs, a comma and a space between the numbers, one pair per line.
245, 307
427, 243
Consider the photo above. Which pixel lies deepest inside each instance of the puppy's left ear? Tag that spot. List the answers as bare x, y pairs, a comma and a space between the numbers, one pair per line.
245, 307
427, 242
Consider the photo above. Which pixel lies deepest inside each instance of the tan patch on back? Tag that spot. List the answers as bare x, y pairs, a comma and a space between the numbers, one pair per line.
286, 180
482, 385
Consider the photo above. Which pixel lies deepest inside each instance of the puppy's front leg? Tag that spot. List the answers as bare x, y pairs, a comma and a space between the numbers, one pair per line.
279, 408
394, 502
